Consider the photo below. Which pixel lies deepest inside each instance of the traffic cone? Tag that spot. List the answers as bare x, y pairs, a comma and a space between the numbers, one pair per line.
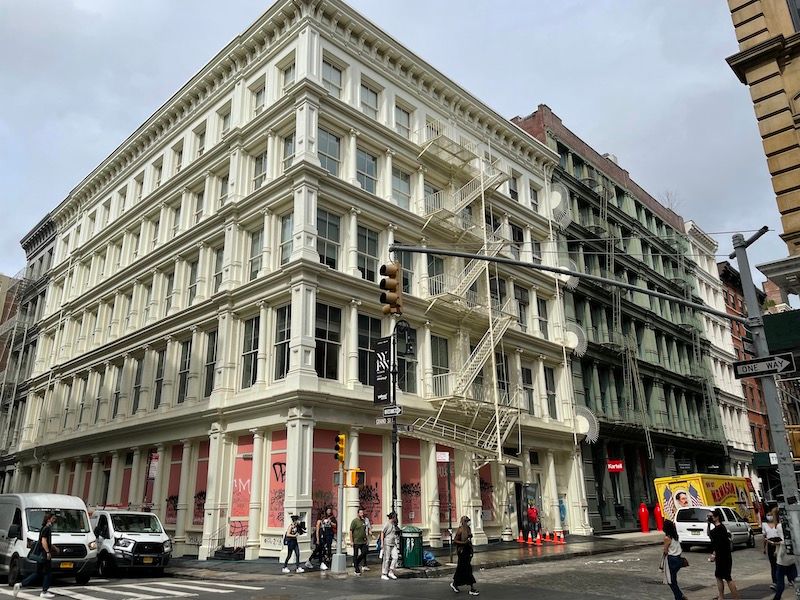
539, 538
546, 536
520, 539
563, 541
530, 539
558, 537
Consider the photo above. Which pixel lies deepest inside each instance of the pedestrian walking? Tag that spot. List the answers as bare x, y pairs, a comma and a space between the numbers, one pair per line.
463, 574
358, 540
784, 562
316, 540
390, 551
672, 561
292, 546
532, 515
721, 555
368, 524
42, 554
770, 530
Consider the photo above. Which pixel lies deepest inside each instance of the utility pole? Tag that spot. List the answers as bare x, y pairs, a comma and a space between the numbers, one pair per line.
755, 322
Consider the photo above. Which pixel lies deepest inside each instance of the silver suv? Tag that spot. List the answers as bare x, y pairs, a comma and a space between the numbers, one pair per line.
692, 525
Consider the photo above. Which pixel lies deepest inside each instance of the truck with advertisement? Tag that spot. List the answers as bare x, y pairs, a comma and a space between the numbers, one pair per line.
700, 489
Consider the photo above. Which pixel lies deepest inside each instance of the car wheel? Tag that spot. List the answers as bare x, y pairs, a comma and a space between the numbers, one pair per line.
105, 565
751, 540
685, 547
13, 572
82, 578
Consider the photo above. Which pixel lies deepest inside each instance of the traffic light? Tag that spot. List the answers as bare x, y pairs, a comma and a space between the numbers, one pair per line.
356, 478
341, 445
392, 286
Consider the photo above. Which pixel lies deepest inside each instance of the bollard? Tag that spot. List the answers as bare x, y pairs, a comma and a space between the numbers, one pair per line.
659, 517
644, 518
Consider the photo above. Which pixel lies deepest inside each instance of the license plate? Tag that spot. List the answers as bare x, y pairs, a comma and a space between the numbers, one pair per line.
66, 565
147, 560
696, 532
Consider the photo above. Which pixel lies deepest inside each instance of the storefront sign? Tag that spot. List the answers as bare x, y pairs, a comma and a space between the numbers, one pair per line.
615, 465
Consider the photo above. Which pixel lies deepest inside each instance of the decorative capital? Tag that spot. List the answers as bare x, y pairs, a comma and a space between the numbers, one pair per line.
354, 132
355, 211
390, 152
355, 302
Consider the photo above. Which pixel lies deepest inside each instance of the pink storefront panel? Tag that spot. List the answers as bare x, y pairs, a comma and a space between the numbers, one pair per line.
323, 492
201, 481
410, 481
487, 492
174, 483
276, 474
242, 472
441, 477
124, 496
370, 459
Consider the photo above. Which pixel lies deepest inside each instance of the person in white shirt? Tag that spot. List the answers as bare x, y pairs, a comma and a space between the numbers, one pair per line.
672, 561
785, 567
770, 530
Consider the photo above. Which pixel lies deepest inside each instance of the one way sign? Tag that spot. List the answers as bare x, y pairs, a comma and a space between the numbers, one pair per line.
762, 367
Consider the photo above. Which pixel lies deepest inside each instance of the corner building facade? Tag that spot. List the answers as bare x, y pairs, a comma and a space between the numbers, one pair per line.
213, 305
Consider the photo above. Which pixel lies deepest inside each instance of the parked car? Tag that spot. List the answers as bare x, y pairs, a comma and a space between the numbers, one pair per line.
692, 525
74, 544
131, 540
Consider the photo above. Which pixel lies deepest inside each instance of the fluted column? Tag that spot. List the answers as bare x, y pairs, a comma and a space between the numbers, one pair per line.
114, 480
184, 498
351, 345
350, 170
352, 243
212, 514
552, 490
94, 479
136, 493
158, 483
63, 478
253, 545
261, 355
387, 174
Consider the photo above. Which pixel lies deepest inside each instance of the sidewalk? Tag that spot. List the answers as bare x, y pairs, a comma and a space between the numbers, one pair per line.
491, 556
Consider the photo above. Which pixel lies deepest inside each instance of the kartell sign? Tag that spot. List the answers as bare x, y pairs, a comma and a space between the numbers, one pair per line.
615, 465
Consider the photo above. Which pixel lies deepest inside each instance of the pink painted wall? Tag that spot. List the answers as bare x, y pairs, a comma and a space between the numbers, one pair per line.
370, 458
276, 480
174, 483
323, 492
152, 468
242, 472
124, 496
487, 489
410, 482
87, 478
441, 476
201, 481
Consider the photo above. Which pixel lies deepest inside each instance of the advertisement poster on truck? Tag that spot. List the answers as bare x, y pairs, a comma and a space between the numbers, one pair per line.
698, 489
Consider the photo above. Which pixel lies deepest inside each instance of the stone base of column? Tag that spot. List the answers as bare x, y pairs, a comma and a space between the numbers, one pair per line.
435, 540
252, 550
205, 551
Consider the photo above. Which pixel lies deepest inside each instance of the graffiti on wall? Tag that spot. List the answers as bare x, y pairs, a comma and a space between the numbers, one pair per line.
277, 491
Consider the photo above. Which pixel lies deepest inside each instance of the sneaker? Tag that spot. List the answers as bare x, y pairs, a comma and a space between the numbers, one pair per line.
392, 575
453, 587
385, 577
309, 565
474, 593
299, 570
285, 570
357, 573
365, 568
47, 595
323, 567
17, 587
773, 587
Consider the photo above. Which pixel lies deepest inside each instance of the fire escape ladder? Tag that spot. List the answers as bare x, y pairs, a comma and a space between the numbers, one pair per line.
634, 385
475, 267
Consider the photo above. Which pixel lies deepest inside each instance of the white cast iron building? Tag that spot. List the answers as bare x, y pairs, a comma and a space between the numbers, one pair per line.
214, 303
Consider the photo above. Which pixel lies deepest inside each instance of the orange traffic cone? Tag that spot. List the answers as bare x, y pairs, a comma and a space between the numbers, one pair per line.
557, 537
563, 541
546, 536
530, 539
520, 539
539, 539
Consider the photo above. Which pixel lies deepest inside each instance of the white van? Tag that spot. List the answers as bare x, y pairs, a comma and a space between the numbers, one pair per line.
21, 517
130, 539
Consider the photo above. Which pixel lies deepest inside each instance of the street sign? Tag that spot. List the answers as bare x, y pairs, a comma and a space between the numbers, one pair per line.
405, 428
384, 420
392, 411
443, 457
766, 365
383, 370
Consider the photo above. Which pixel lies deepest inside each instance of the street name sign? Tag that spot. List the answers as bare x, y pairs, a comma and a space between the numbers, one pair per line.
384, 420
767, 365
392, 411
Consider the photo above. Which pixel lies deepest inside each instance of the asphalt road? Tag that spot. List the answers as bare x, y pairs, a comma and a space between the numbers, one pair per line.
631, 575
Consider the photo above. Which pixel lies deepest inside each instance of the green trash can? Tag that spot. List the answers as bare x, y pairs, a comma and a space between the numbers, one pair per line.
411, 539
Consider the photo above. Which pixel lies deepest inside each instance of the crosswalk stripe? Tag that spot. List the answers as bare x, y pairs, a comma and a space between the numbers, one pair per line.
31, 596
72, 594
137, 595
231, 585
194, 587
154, 590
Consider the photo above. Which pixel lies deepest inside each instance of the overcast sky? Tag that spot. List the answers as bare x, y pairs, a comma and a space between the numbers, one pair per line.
644, 80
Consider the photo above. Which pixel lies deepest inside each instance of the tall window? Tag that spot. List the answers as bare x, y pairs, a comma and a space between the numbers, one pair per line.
550, 386
117, 393
401, 188
158, 384
148, 298
536, 249
369, 331
534, 198
512, 188
541, 304
158, 171
283, 333
176, 219
328, 237
369, 101
402, 121
328, 335
523, 304
183, 370
259, 98
407, 373
136, 392
168, 293
435, 274
199, 206
250, 352
256, 253
368, 253
219, 257
288, 150
193, 266
367, 170
201, 142
223, 190
287, 225
225, 120
210, 365
288, 75
98, 399
328, 145
332, 78
517, 240
528, 391
260, 170
127, 308
440, 362
407, 264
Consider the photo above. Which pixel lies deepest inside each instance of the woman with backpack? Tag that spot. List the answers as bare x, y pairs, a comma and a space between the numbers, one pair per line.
318, 543
292, 547
463, 574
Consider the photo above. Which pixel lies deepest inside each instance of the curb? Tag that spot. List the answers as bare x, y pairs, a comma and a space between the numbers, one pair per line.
412, 572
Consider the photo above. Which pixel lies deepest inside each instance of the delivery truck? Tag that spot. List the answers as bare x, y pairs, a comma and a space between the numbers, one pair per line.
700, 489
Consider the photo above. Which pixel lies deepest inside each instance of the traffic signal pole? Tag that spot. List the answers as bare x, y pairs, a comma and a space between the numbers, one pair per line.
755, 322
339, 559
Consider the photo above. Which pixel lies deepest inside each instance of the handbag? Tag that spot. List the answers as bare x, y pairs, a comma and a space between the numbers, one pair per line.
684, 562
36, 554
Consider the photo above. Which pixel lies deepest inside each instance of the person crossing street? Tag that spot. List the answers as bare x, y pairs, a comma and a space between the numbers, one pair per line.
358, 540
